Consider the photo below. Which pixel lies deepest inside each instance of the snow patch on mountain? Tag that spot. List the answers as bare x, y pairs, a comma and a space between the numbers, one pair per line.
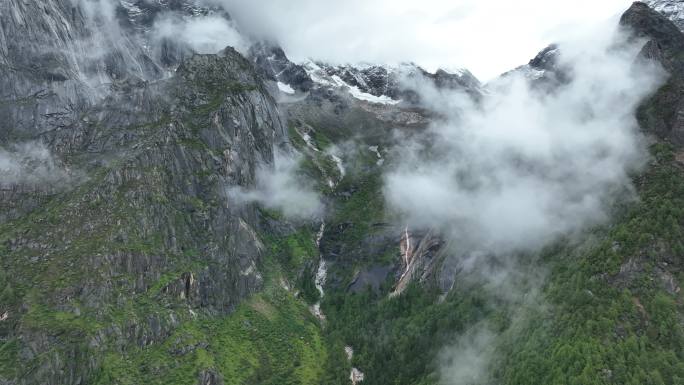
382, 99
376, 150
286, 88
321, 76
531, 73
672, 9
339, 164
131, 8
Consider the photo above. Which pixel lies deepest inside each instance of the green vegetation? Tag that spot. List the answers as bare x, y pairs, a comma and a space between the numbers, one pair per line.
322, 140
363, 208
65, 324
607, 322
8, 358
296, 139
610, 326
614, 314
319, 166
397, 340
294, 251
604, 323
661, 107
270, 339
307, 285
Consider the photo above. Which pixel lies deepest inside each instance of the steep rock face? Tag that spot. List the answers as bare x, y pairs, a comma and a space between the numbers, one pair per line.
661, 114
60, 57
147, 226
420, 260
140, 17
542, 71
373, 79
359, 246
56, 59
664, 38
274, 64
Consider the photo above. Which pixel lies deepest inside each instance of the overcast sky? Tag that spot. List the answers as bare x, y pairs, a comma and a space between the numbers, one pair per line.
487, 37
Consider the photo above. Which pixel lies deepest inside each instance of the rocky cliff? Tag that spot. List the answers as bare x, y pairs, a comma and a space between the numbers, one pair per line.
665, 42
126, 199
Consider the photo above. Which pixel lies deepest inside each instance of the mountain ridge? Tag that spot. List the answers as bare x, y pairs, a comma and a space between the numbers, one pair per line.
134, 263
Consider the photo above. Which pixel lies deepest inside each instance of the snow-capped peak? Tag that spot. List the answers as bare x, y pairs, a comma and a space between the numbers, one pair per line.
328, 76
383, 84
672, 9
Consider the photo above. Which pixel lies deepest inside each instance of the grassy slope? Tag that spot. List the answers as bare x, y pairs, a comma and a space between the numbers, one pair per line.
270, 339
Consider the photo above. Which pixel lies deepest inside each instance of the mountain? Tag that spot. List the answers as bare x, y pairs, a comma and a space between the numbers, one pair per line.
275, 66
387, 84
155, 219
672, 9
660, 114
379, 84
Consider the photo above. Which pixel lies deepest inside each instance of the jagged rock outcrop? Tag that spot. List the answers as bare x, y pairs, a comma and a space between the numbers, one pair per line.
664, 38
661, 114
420, 259
544, 71
141, 14
388, 84
274, 64
210, 378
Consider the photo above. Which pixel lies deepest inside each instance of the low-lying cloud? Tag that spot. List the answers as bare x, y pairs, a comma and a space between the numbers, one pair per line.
525, 166
32, 164
280, 187
467, 361
203, 34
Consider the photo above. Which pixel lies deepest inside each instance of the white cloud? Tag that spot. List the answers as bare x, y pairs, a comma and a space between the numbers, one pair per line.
487, 37
33, 164
279, 187
466, 362
524, 167
207, 34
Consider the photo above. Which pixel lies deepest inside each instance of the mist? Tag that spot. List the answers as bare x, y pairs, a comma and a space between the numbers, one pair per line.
280, 187
433, 33
466, 362
32, 164
521, 168
205, 35
525, 166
